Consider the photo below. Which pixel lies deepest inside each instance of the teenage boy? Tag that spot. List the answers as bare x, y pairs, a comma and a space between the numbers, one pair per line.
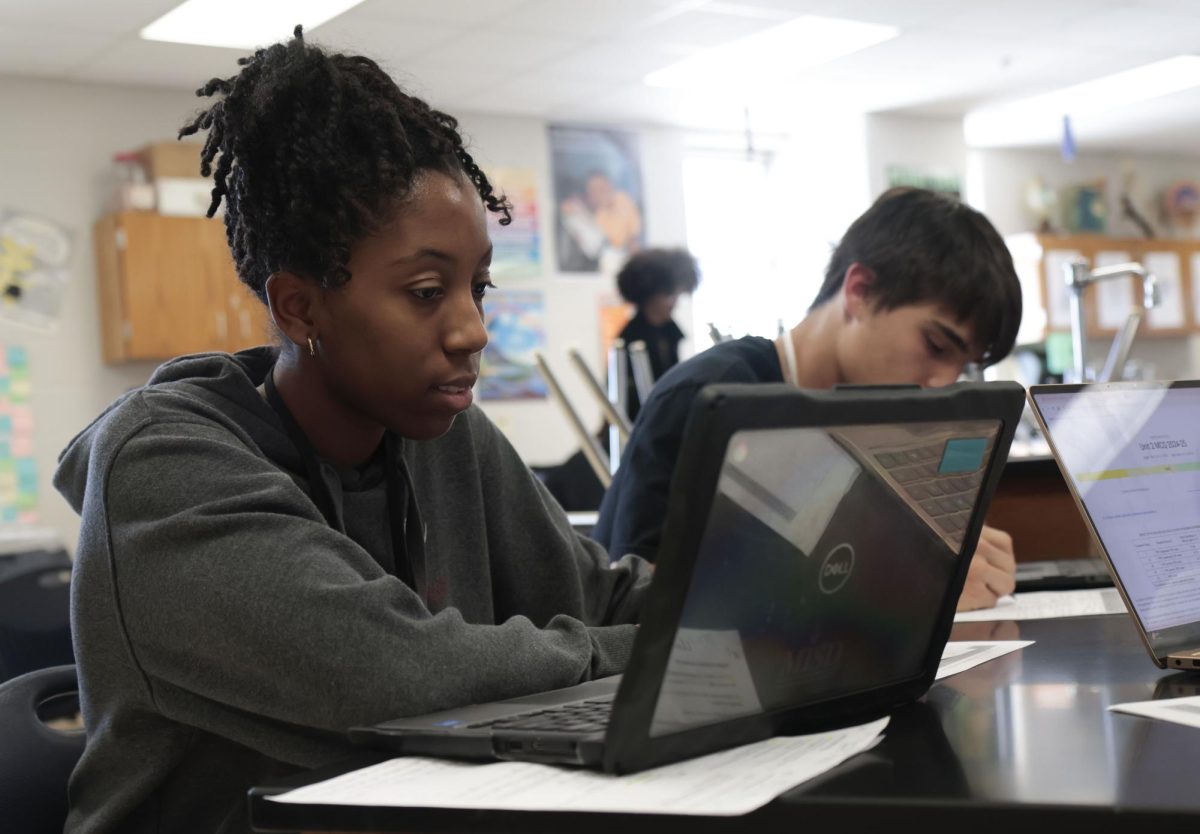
919, 286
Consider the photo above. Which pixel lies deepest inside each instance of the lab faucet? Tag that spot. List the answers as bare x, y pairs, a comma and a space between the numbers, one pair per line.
1080, 276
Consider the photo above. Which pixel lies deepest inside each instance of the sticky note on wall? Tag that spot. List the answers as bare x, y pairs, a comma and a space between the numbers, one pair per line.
18, 467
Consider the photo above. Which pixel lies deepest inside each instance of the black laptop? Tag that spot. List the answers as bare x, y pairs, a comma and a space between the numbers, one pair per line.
808, 578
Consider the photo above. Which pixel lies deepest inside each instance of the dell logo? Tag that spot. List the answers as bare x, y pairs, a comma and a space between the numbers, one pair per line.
836, 569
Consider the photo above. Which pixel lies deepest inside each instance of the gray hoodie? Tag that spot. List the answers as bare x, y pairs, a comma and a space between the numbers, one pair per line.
226, 634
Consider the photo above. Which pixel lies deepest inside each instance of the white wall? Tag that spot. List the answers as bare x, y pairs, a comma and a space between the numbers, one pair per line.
925, 144
1005, 174
58, 141
55, 160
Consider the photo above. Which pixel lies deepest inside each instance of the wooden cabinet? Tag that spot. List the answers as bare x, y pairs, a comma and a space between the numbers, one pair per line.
167, 286
1039, 260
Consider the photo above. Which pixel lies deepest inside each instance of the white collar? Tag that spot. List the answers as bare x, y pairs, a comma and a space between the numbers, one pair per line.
791, 373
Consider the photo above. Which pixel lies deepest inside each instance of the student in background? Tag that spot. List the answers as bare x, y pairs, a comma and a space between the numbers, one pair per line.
652, 280
283, 543
919, 286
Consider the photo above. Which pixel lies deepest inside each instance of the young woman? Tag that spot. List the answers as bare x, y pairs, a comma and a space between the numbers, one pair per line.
286, 542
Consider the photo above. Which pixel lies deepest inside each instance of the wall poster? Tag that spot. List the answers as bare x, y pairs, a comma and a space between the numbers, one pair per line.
516, 332
517, 247
598, 197
18, 469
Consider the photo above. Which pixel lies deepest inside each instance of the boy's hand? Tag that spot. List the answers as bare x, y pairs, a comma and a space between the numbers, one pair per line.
992, 573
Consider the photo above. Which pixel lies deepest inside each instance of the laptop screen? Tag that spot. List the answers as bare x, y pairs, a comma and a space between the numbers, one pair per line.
1132, 453
825, 560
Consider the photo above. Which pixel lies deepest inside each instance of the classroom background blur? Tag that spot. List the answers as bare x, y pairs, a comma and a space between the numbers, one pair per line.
749, 131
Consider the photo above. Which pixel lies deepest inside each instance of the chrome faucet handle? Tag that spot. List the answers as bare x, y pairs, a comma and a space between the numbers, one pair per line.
1151, 292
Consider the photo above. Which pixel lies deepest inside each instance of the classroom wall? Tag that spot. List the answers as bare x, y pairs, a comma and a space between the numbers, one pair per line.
537, 428
58, 141
995, 181
1004, 175
1001, 176
55, 162
930, 145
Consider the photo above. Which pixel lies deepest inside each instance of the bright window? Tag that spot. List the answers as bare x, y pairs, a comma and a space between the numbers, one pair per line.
761, 264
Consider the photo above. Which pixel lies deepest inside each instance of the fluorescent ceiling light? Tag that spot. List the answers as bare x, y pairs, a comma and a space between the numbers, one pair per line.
1040, 118
774, 55
241, 24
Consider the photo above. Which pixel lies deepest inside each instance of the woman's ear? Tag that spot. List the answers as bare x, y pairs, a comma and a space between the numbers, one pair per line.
292, 301
857, 289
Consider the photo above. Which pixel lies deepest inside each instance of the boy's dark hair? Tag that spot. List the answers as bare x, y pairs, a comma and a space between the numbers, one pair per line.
652, 272
923, 246
315, 151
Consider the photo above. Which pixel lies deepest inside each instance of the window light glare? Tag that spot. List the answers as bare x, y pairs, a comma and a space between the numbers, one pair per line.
1002, 123
777, 53
241, 24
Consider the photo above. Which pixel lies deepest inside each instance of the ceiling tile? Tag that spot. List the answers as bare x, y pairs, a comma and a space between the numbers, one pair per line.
702, 28
652, 105
102, 16
924, 50
910, 14
468, 14
1118, 30
1187, 8
498, 51
618, 60
535, 94
585, 59
132, 60
389, 42
583, 20
42, 49
1025, 18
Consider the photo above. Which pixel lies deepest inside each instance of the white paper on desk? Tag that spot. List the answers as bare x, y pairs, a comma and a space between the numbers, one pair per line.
1046, 605
727, 783
1177, 710
960, 656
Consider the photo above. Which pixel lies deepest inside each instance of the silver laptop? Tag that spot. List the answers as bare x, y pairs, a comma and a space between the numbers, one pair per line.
797, 587
1130, 453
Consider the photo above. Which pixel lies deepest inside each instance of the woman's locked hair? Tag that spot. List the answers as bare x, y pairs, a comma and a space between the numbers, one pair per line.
312, 151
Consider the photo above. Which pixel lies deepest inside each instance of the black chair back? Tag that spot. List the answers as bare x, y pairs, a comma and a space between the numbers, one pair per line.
36, 760
35, 611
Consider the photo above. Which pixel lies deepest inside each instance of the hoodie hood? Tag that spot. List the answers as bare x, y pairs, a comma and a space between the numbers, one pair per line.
201, 387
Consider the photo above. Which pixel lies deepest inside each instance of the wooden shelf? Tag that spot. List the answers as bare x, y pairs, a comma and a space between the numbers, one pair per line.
167, 286
1039, 260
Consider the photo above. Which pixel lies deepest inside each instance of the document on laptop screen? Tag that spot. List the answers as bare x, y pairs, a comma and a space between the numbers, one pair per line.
1133, 456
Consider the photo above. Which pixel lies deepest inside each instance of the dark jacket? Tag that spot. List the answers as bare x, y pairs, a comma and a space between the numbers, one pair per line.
635, 505
225, 633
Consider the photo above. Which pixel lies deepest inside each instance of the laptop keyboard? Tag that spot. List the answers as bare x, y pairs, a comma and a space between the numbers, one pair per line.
576, 717
947, 499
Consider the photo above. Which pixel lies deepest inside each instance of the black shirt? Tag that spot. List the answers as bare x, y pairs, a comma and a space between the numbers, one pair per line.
662, 348
634, 507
